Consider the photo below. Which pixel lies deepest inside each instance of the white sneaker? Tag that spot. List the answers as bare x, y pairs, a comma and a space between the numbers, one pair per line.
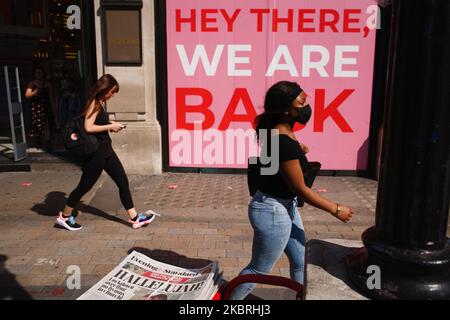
68, 223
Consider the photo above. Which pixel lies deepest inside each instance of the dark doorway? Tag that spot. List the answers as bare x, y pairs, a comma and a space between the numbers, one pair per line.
58, 37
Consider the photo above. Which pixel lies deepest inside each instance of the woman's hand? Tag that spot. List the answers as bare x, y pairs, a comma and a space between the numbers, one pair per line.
343, 213
30, 92
116, 126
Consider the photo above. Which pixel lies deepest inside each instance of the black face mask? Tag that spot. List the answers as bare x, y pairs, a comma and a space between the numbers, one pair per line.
303, 114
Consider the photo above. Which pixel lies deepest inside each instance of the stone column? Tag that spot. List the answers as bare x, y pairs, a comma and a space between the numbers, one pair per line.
408, 242
139, 145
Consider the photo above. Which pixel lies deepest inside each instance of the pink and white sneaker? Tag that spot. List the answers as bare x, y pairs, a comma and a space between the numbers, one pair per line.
143, 219
68, 223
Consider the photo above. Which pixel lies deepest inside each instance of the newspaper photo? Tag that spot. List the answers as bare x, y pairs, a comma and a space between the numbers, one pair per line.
139, 277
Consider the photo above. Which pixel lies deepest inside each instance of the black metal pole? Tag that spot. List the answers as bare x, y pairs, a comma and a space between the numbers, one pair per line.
408, 242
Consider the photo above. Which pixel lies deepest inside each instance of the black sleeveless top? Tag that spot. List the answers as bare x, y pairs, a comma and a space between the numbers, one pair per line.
103, 137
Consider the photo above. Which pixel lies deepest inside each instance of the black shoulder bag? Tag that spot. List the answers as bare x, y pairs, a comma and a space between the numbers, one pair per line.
77, 141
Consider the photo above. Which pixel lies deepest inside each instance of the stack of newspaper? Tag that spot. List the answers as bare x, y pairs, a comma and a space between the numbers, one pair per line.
138, 277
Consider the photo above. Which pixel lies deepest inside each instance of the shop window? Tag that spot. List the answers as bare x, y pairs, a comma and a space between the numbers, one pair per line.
61, 55
23, 17
63, 52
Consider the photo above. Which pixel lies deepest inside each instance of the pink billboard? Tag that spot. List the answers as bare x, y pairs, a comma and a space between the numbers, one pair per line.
223, 55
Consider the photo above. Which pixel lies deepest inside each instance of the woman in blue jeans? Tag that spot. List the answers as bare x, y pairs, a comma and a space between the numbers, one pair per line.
272, 211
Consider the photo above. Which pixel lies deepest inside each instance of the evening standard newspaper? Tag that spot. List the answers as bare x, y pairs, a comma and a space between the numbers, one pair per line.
139, 277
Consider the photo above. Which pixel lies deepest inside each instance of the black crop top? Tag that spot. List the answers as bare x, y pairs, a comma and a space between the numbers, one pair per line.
275, 185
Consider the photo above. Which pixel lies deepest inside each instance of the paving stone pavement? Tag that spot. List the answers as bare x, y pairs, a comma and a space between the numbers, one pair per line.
203, 218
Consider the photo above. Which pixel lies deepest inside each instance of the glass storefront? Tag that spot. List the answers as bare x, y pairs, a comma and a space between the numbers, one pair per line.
56, 36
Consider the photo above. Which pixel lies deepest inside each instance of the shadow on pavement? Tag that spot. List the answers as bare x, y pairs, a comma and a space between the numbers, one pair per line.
329, 251
173, 258
10, 289
56, 200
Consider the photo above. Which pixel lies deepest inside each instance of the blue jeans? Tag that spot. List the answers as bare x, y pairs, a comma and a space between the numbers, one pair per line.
277, 227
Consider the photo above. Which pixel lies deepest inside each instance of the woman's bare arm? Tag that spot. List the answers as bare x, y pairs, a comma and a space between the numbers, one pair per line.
89, 122
292, 173
91, 127
30, 92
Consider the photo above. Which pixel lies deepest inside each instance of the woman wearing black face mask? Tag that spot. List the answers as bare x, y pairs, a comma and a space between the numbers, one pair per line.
273, 211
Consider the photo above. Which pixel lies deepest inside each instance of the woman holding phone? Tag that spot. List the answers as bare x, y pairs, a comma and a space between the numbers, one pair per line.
96, 122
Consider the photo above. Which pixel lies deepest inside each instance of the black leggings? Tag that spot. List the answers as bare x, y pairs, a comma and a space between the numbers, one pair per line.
92, 169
